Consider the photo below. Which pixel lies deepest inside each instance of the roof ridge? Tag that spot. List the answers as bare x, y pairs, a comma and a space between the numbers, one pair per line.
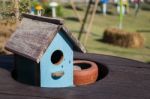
33, 44
56, 21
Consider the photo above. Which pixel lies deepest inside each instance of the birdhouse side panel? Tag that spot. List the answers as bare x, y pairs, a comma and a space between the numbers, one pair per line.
26, 70
56, 65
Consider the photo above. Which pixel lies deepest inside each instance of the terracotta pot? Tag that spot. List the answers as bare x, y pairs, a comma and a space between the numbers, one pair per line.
87, 74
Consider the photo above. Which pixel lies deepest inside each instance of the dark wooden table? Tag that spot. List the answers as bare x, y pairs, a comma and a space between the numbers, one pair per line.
121, 79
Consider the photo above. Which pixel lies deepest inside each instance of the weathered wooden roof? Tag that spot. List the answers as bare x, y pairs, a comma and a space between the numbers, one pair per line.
35, 34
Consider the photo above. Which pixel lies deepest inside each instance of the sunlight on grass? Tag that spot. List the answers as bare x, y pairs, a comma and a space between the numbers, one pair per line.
130, 23
140, 24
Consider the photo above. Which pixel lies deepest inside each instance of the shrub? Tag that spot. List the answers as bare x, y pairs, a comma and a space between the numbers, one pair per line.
123, 39
24, 6
7, 27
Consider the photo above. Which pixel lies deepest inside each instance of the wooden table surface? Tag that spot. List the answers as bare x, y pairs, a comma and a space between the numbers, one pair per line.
121, 79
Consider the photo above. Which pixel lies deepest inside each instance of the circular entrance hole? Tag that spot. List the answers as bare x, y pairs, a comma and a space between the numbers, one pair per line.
57, 57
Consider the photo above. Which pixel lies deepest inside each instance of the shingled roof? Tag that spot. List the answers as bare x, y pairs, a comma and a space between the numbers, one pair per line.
35, 34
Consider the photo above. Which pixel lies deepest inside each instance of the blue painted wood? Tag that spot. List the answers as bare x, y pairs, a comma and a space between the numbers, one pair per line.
60, 42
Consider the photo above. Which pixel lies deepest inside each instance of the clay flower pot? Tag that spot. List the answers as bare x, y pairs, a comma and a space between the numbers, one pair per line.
85, 72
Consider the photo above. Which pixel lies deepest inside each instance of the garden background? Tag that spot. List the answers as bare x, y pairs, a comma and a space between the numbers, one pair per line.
131, 23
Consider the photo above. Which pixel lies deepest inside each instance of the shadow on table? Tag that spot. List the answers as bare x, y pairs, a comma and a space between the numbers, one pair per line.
6, 62
148, 62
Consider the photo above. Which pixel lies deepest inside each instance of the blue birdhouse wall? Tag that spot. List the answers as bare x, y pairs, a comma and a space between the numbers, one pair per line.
56, 65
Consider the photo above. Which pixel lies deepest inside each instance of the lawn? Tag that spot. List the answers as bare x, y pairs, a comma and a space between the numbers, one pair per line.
140, 24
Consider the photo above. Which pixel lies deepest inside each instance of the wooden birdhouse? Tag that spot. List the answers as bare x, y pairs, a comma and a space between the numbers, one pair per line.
43, 50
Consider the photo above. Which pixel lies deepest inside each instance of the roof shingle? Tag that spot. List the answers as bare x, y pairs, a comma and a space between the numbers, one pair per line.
35, 34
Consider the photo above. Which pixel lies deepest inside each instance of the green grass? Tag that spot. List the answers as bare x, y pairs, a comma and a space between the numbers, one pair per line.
131, 23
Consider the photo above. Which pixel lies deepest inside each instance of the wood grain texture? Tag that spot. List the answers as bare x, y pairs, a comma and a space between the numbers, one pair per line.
11, 96
32, 38
34, 35
44, 19
126, 79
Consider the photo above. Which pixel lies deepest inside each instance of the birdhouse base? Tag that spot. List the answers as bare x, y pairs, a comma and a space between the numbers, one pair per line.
85, 73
